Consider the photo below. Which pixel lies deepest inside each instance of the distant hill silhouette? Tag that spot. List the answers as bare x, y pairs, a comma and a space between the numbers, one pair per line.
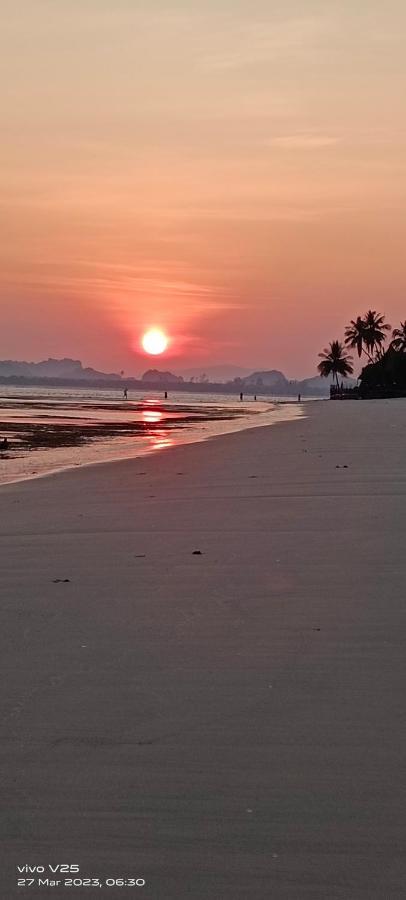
271, 379
71, 372
154, 376
53, 368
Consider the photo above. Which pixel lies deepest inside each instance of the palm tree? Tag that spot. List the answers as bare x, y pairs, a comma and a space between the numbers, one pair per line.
356, 336
335, 362
367, 334
399, 338
375, 332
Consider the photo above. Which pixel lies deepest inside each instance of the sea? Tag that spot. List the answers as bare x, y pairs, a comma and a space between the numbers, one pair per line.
52, 429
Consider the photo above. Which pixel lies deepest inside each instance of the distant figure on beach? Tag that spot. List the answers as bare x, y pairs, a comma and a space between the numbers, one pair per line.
166, 395
125, 394
241, 396
299, 397
255, 396
4, 444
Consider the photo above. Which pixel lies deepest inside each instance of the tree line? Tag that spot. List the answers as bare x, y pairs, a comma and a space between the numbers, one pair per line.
367, 335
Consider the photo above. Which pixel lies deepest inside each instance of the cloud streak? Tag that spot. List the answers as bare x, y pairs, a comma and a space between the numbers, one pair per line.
270, 41
303, 141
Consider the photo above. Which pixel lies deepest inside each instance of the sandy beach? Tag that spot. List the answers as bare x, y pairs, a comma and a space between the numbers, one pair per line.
204, 665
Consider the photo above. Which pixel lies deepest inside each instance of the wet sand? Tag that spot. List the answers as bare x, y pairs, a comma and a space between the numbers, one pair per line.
204, 665
51, 434
36, 430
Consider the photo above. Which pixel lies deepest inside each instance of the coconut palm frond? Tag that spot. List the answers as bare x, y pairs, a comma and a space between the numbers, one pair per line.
367, 334
334, 361
355, 334
398, 341
375, 327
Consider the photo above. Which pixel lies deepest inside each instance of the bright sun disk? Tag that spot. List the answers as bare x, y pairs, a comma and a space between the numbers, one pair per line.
154, 341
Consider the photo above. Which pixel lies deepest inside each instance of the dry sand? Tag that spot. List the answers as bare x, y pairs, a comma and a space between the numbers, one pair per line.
228, 724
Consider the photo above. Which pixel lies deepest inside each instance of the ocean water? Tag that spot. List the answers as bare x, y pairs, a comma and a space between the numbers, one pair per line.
51, 429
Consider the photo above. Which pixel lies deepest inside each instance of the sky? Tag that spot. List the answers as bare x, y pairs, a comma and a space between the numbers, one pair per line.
232, 172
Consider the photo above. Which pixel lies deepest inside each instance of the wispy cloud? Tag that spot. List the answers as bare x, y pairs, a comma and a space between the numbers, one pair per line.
303, 141
264, 41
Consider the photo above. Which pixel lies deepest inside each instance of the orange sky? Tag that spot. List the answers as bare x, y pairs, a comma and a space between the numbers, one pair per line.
233, 172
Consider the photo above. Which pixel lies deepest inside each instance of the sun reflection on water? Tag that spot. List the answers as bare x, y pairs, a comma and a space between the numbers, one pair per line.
161, 440
151, 416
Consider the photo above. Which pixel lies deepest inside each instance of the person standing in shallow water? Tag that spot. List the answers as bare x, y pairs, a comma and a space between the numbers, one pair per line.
125, 394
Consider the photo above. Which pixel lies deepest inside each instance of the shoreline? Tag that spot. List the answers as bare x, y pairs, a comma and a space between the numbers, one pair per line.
204, 657
188, 434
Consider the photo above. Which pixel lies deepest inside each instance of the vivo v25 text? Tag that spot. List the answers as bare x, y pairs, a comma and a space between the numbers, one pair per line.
57, 876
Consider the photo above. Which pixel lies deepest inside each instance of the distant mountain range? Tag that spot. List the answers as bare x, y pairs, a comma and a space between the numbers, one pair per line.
277, 383
68, 371
52, 368
271, 382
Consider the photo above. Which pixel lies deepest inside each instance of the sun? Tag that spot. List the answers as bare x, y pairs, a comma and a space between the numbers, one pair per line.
154, 341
